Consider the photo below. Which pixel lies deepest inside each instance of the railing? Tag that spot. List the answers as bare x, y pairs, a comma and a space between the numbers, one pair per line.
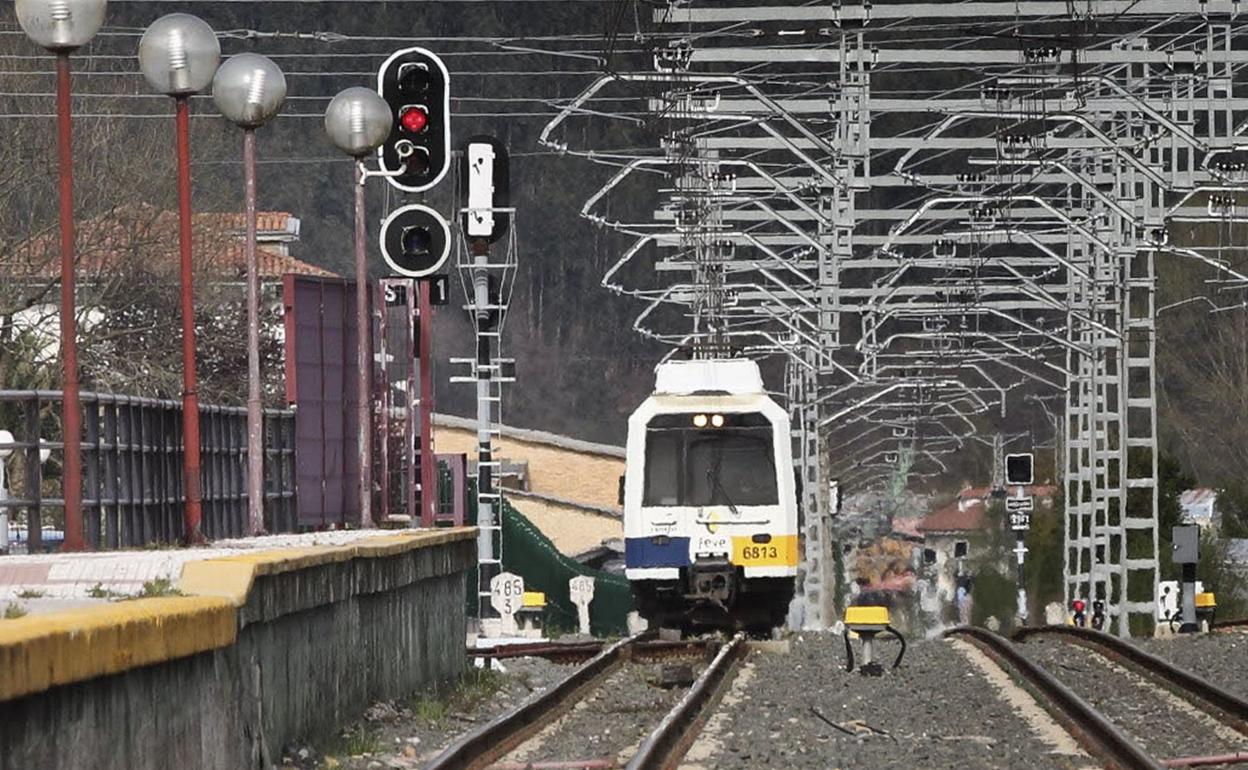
132, 468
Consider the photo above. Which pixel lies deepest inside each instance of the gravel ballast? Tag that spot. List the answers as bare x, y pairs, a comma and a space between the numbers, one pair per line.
936, 711
405, 735
1162, 724
1220, 658
610, 722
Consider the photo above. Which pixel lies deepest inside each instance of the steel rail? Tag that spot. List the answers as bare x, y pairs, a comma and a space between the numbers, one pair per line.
1232, 709
478, 748
1095, 732
642, 650
549, 650
481, 747
668, 743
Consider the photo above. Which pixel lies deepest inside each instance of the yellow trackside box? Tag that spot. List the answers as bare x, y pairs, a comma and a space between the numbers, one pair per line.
866, 616
534, 600
1206, 601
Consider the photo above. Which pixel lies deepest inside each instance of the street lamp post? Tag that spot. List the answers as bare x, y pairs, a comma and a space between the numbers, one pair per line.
249, 90
358, 121
63, 26
178, 55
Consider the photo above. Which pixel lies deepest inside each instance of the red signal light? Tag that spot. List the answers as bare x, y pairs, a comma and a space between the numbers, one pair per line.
1079, 605
414, 120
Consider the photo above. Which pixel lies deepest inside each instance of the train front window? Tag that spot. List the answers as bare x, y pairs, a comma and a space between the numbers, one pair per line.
731, 465
663, 468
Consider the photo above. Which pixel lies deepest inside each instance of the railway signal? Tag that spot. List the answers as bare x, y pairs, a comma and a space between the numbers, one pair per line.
1020, 469
415, 241
487, 178
488, 274
417, 86
1185, 544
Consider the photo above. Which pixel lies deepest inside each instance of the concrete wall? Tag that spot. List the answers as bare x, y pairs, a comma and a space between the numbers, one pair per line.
269, 647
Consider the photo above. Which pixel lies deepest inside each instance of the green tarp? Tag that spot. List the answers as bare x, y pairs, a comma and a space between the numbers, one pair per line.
531, 555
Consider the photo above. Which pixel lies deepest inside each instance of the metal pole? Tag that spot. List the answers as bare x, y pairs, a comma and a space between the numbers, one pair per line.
255, 410
383, 389
487, 515
428, 469
71, 418
1187, 600
1020, 548
363, 363
190, 397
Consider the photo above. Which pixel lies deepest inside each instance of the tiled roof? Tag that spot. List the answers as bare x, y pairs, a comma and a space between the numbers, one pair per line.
1040, 491
145, 236
965, 515
967, 512
267, 222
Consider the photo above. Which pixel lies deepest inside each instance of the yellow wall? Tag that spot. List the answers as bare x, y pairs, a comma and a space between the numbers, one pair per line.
554, 471
571, 530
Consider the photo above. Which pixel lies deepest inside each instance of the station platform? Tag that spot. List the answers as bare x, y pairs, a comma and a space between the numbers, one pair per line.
245, 647
42, 583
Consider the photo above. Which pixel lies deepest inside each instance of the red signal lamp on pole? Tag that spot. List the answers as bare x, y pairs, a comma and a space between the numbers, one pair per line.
414, 120
416, 154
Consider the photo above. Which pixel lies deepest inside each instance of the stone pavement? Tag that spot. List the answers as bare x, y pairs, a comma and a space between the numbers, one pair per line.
48, 582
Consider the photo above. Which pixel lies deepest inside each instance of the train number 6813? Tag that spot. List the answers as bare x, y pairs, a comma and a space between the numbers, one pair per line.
760, 552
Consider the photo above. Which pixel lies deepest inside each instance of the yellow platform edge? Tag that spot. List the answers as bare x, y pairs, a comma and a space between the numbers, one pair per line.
38, 652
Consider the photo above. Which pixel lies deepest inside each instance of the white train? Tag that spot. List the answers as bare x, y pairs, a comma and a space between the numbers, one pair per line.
710, 506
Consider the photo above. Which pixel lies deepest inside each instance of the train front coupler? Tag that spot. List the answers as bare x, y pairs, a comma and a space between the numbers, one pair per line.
712, 581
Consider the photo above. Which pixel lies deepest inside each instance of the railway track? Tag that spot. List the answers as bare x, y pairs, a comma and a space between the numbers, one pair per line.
1128, 708
609, 692
574, 652
1238, 625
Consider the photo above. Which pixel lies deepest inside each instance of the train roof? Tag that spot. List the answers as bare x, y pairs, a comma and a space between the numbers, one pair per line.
738, 377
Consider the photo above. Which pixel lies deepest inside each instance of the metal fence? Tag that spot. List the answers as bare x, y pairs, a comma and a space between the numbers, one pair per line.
132, 468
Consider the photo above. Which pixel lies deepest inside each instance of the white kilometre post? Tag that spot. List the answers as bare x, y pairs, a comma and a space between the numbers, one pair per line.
507, 598
581, 591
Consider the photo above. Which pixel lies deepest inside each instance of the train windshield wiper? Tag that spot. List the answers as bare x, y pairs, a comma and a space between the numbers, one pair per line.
713, 480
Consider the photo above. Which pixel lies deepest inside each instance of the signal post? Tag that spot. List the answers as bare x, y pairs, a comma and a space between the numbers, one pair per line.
487, 275
416, 239
1020, 473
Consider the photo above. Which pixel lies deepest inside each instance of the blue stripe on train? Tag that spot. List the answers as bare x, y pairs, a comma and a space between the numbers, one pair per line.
644, 552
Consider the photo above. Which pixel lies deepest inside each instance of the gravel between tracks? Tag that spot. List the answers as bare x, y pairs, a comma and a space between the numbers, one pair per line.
1164, 725
936, 711
406, 735
1219, 658
610, 722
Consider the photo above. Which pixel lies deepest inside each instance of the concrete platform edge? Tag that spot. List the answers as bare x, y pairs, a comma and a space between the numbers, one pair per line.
264, 648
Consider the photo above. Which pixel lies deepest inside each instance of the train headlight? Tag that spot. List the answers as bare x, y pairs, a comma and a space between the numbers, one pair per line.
699, 421
717, 420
